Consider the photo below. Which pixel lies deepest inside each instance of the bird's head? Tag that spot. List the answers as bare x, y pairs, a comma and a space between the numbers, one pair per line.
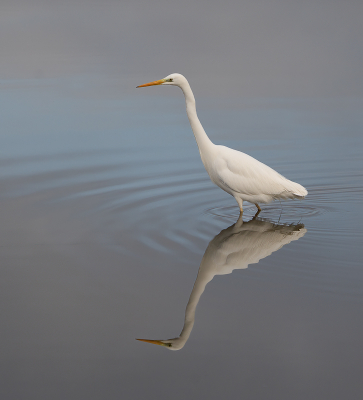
172, 79
171, 344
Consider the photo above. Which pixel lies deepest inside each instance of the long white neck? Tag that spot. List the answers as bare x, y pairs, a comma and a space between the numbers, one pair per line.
201, 137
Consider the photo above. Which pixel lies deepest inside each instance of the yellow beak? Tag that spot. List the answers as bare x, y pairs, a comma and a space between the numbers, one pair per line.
152, 83
159, 342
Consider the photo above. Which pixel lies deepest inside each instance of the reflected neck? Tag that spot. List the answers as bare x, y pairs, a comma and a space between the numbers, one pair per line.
204, 277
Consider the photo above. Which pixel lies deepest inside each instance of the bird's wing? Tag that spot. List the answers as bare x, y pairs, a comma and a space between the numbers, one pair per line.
246, 175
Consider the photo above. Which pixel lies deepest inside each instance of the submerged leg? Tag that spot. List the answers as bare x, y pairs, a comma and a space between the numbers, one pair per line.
255, 216
258, 207
239, 222
239, 202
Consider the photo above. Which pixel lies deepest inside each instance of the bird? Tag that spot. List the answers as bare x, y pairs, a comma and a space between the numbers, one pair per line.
237, 173
236, 247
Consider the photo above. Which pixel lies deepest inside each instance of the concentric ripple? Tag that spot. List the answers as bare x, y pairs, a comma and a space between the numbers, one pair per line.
164, 204
292, 210
148, 203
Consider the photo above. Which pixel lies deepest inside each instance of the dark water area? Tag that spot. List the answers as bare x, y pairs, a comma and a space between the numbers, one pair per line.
111, 231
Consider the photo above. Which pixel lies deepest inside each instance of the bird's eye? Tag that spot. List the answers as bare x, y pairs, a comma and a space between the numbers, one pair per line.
170, 80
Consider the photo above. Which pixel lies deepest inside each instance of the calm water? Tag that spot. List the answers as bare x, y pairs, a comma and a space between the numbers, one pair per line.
112, 231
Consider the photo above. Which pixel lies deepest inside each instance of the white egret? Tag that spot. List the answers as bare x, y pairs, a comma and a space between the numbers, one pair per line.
233, 248
237, 173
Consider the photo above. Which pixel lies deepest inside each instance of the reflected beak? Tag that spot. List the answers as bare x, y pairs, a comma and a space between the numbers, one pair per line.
158, 342
152, 83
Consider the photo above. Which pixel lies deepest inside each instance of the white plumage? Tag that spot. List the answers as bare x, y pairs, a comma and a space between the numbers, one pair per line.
237, 173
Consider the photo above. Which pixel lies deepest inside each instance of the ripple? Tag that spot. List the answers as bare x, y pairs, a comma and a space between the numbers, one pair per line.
165, 206
272, 211
318, 202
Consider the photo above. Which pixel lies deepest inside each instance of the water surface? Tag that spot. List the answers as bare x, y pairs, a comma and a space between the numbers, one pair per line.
109, 221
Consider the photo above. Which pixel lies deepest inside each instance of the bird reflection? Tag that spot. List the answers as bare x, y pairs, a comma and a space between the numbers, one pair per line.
236, 247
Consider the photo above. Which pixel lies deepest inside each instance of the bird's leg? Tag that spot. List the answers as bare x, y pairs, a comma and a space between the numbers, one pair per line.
258, 207
255, 216
239, 222
240, 215
240, 205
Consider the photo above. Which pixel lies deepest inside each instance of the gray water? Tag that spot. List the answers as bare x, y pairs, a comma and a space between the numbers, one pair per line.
107, 215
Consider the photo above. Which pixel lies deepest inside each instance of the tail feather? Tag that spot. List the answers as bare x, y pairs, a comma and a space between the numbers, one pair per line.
295, 190
298, 190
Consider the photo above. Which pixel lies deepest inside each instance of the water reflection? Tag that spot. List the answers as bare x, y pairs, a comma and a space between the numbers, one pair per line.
236, 247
